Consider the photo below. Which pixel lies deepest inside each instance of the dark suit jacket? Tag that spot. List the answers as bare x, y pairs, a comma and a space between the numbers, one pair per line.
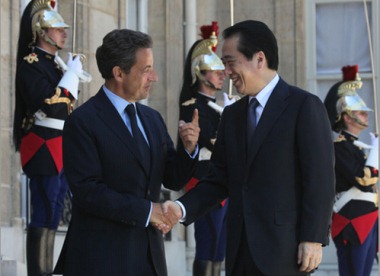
112, 190
282, 191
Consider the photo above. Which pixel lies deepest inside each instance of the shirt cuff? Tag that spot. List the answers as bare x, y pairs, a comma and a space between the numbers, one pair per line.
150, 213
183, 209
192, 156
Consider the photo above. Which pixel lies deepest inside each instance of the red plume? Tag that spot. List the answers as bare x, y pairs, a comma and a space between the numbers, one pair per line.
349, 72
207, 30
52, 3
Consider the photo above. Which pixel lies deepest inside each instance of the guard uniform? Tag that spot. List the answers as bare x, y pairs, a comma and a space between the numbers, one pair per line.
45, 97
45, 107
354, 223
354, 226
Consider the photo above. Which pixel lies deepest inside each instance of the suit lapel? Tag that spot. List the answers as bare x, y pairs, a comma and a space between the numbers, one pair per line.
108, 114
275, 106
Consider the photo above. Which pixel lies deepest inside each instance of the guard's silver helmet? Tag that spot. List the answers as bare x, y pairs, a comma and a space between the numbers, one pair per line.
44, 16
203, 57
342, 98
349, 100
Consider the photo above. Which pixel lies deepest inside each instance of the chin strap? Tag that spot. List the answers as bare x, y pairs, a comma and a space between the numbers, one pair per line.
210, 84
49, 40
356, 120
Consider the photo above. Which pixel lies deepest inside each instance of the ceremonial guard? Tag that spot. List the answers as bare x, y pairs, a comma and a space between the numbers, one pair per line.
203, 77
355, 218
45, 96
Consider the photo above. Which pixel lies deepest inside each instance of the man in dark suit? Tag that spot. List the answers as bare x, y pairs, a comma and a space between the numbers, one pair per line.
280, 180
116, 179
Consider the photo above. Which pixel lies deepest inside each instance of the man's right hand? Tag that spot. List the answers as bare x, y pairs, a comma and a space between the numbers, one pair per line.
172, 209
189, 132
163, 216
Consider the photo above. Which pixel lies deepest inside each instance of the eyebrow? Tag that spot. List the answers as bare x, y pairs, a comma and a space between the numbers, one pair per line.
147, 67
228, 57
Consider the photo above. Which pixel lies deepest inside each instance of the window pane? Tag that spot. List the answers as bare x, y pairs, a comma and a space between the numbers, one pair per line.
342, 37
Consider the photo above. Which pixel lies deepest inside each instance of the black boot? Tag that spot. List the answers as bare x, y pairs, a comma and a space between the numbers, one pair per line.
50, 251
36, 251
202, 268
216, 268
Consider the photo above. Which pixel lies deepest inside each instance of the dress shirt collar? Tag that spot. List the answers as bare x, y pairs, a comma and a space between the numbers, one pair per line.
118, 102
263, 96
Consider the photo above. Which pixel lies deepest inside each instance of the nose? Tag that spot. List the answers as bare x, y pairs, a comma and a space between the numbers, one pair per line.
153, 76
227, 71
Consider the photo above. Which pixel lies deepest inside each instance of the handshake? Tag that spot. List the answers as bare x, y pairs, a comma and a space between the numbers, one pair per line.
165, 215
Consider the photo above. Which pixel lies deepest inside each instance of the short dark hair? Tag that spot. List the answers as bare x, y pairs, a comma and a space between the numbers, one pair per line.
255, 36
119, 49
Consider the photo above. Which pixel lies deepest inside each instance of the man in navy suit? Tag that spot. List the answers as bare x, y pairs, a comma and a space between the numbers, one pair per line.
115, 162
279, 180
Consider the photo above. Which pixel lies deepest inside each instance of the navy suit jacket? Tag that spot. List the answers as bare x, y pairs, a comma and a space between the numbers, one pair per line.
282, 190
112, 190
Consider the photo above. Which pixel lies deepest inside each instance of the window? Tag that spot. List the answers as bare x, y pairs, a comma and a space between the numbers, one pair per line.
337, 36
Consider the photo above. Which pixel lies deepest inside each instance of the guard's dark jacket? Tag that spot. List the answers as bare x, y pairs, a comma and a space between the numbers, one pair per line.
37, 81
355, 220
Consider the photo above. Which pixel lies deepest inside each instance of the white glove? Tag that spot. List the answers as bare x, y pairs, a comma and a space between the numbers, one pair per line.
70, 80
74, 64
227, 100
362, 145
373, 155
77, 68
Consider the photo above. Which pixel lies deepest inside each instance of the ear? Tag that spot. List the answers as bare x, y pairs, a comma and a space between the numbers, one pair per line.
261, 59
346, 118
117, 73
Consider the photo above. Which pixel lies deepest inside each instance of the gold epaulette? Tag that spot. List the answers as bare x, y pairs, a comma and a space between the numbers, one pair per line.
340, 138
189, 102
32, 57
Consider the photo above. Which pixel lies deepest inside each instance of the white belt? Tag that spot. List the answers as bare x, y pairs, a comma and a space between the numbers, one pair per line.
50, 123
354, 193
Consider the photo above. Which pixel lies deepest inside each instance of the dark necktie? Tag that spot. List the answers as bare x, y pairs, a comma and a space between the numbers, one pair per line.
138, 137
251, 120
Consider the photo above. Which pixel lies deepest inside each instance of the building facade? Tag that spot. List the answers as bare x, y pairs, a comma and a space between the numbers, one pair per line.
316, 38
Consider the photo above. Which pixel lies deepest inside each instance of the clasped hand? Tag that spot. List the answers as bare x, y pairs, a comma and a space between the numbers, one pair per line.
165, 215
